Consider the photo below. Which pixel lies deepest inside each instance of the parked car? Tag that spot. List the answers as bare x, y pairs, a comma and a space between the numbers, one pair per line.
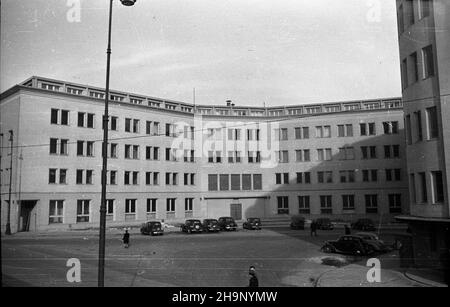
152, 228
252, 223
324, 224
353, 245
227, 223
372, 239
297, 222
191, 226
211, 225
364, 225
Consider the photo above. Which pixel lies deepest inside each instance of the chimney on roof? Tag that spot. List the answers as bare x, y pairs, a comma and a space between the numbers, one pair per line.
228, 103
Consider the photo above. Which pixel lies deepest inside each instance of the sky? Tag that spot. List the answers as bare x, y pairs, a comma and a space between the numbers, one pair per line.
253, 52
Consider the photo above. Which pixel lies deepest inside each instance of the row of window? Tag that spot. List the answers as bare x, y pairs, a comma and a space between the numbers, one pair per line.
414, 126
86, 176
87, 120
347, 203
418, 187
412, 11
410, 66
234, 182
56, 209
368, 175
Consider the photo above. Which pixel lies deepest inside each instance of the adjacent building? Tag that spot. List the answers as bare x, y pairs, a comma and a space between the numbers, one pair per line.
424, 27
170, 160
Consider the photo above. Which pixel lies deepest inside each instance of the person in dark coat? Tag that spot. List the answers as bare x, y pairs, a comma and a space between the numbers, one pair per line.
253, 282
126, 239
347, 230
313, 228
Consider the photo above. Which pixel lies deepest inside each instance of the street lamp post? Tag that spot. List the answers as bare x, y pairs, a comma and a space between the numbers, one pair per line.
8, 217
101, 253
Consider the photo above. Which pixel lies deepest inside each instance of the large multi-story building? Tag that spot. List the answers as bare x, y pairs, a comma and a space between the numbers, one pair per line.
424, 41
171, 160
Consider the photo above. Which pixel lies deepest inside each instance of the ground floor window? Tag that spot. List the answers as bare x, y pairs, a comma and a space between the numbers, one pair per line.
303, 204
283, 204
395, 203
151, 208
170, 208
110, 209
130, 209
83, 208
371, 203
325, 204
56, 209
188, 207
348, 202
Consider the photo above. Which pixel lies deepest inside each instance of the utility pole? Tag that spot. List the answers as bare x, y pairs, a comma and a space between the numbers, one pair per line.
8, 217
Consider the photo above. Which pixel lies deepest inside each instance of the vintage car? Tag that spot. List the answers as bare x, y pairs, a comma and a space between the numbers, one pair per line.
252, 223
227, 223
324, 224
211, 225
364, 225
191, 226
297, 222
349, 244
372, 239
152, 228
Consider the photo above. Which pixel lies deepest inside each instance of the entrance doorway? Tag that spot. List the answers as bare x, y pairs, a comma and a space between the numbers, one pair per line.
26, 207
236, 211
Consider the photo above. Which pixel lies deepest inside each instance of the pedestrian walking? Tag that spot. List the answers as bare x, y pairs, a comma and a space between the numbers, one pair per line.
313, 228
347, 230
126, 239
253, 282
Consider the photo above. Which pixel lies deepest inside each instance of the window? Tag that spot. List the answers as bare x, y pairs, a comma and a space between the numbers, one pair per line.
89, 175
83, 210
224, 182
393, 174
254, 157
367, 129
113, 150
414, 65
235, 181
428, 61
325, 177
283, 204
283, 156
404, 71
56, 212
390, 127
170, 204
409, 12
212, 182
323, 131
345, 130
369, 152
325, 204
438, 187
89, 149
423, 188
59, 117
370, 175
85, 120
346, 153
112, 177
432, 120
131, 178
395, 203
347, 176
79, 176
348, 202
234, 157
424, 8
401, 22
130, 209
52, 175
371, 203
113, 123
302, 155
391, 151
324, 154
418, 118
188, 204
131, 125
151, 205
303, 204
234, 134
110, 209
257, 182
282, 178
408, 130
412, 187
246, 182
62, 176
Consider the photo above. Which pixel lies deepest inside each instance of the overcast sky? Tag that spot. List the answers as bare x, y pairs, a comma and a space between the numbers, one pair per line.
279, 52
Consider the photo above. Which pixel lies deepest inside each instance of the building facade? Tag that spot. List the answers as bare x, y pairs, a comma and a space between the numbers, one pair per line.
424, 42
171, 161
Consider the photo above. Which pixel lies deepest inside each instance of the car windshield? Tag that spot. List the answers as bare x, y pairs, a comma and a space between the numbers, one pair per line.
229, 220
154, 224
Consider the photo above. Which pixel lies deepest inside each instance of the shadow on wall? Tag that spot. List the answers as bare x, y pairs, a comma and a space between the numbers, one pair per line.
336, 189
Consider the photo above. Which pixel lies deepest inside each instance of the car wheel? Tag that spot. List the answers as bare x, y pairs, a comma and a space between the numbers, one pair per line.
327, 249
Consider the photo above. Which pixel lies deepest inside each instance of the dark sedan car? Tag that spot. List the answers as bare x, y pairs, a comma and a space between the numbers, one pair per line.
211, 225
227, 223
324, 224
364, 225
353, 245
191, 226
152, 228
252, 223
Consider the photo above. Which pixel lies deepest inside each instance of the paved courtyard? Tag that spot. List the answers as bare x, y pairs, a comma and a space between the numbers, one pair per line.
282, 257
